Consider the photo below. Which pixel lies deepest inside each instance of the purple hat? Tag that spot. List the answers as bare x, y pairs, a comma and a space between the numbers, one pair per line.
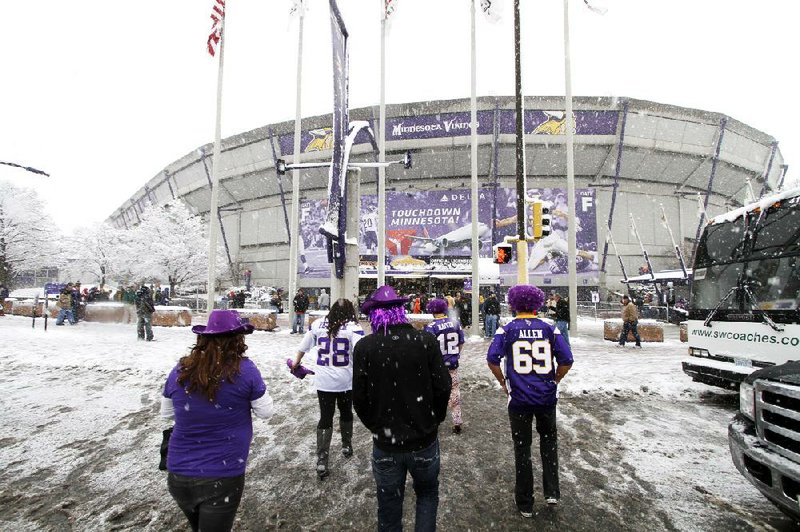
223, 322
383, 297
300, 371
437, 306
525, 298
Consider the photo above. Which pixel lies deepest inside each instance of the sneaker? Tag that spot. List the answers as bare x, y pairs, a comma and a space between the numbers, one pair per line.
551, 501
347, 452
525, 514
456, 429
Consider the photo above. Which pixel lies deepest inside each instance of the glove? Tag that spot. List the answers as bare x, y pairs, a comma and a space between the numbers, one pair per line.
300, 371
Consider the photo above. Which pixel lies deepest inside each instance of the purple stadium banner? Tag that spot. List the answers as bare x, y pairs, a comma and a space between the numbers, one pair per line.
458, 125
431, 231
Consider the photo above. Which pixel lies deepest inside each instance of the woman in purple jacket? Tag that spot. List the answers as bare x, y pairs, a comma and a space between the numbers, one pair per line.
210, 394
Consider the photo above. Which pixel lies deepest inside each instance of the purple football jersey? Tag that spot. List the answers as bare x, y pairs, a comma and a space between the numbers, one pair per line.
531, 348
450, 335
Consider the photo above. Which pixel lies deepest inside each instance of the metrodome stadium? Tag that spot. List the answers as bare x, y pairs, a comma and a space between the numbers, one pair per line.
632, 157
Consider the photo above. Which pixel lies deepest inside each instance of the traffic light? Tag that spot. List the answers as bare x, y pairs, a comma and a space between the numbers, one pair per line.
545, 229
536, 218
502, 253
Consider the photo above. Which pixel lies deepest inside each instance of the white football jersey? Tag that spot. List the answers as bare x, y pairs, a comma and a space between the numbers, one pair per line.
333, 358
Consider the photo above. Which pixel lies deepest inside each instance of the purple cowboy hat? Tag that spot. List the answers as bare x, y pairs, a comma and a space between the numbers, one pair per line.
223, 322
383, 297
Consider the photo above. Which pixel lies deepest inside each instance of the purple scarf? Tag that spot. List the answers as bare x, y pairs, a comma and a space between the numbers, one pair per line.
385, 317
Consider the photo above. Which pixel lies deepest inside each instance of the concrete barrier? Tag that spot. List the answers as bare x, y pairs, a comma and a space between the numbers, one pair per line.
110, 312
649, 330
419, 321
261, 319
172, 316
25, 308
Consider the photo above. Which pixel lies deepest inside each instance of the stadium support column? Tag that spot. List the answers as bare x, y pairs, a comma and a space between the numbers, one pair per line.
382, 158
522, 245
347, 286
571, 237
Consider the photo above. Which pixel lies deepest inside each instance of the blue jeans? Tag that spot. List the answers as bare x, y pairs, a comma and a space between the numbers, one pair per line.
631, 326
144, 324
65, 313
298, 321
490, 323
563, 327
389, 470
208, 503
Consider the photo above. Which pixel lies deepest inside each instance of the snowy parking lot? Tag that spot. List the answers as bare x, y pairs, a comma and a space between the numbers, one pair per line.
641, 446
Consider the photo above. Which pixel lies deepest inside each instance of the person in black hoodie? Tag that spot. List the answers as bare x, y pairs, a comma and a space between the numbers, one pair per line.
400, 392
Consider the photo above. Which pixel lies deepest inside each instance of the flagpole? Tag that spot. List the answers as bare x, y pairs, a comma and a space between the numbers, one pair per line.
382, 157
294, 227
571, 233
215, 171
474, 194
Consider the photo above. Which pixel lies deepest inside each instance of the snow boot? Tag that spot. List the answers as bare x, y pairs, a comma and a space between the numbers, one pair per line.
346, 427
323, 447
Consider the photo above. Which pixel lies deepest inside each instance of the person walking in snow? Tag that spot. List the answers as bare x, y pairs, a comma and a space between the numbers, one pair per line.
300, 304
451, 341
144, 313
400, 392
630, 322
332, 339
536, 357
211, 394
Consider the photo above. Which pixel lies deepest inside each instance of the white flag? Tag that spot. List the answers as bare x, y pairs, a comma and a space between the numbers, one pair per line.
492, 10
298, 7
598, 10
701, 208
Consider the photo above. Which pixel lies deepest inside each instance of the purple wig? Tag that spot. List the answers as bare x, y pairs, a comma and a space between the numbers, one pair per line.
383, 318
525, 298
437, 306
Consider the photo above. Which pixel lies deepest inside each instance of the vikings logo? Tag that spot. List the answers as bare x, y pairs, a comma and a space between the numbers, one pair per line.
322, 139
556, 124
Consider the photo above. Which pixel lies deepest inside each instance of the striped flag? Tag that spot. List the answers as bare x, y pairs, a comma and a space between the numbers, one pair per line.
388, 8
492, 10
217, 17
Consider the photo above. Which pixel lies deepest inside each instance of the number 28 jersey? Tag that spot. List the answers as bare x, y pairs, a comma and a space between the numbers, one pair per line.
532, 348
334, 356
450, 335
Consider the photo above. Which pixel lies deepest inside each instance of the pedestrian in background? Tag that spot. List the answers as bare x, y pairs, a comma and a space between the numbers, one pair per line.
536, 359
560, 311
324, 300
630, 322
300, 303
334, 336
491, 308
65, 306
451, 341
144, 313
400, 392
210, 394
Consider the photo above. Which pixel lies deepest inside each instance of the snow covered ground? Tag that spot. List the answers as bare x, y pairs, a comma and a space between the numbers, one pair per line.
640, 444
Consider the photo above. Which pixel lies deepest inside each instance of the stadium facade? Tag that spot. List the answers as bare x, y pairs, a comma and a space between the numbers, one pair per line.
632, 157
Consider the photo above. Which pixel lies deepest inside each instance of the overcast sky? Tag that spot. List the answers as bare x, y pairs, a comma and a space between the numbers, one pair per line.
104, 94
